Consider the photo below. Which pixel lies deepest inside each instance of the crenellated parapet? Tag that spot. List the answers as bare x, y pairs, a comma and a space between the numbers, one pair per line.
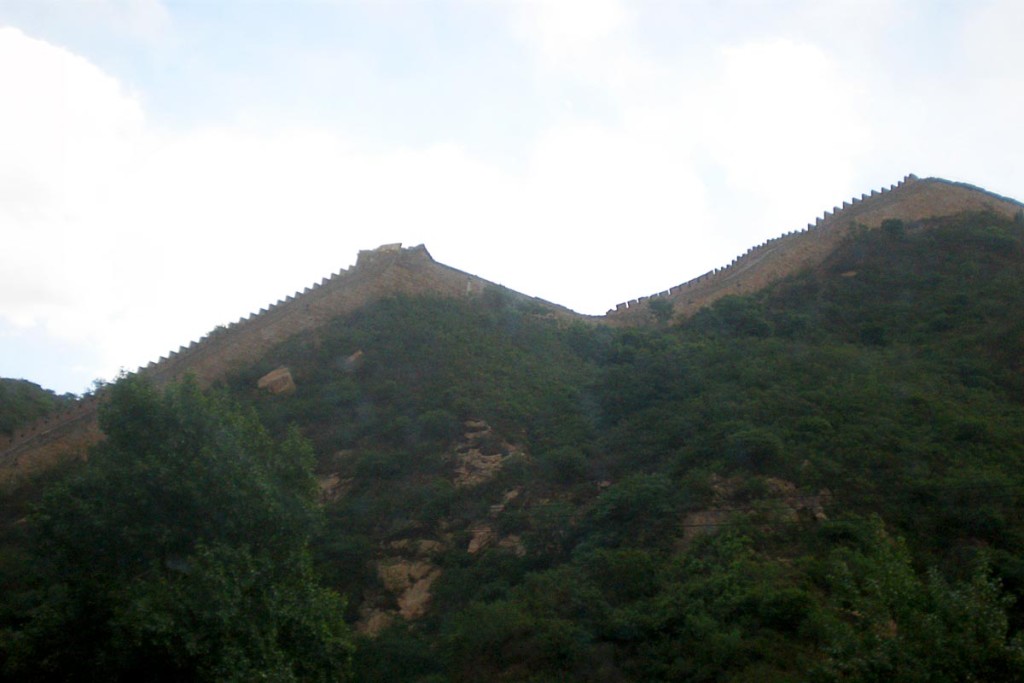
391, 269
378, 273
911, 199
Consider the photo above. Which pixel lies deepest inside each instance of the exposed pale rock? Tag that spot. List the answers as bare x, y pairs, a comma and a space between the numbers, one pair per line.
410, 582
480, 455
475, 468
413, 603
333, 486
277, 381
373, 620
483, 536
354, 362
787, 503
427, 547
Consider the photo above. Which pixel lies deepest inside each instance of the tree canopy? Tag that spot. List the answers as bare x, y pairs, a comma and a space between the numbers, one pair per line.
817, 482
180, 552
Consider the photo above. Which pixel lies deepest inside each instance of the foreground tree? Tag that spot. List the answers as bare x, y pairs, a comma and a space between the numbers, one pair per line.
180, 552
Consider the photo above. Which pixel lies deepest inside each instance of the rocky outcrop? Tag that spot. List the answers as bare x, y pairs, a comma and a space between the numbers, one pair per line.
406, 570
481, 454
409, 581
779, 501
333, 486
378, 273
484, 536
277, 381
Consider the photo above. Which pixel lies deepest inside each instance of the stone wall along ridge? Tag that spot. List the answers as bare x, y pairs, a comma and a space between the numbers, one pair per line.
827, 220
210, 356
390, 270
910, 199
84, 408
381, 272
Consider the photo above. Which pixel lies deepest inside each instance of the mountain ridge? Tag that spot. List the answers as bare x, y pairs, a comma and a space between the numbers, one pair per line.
911, 199
816, 481
391, 270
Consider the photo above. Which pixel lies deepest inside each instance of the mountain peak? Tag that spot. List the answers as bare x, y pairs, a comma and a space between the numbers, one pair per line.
392, 269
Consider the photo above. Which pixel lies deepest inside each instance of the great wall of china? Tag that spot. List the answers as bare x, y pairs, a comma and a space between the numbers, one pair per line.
911, 199
391, 270
378, 273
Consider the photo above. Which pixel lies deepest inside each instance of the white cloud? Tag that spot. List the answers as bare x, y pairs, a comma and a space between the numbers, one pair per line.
781, 118
570, 29
139, 239
598, 216
147, 18
146, 21
786, 127
989, 94
66, 120
70, 131
591, 41
135, 238
991, 42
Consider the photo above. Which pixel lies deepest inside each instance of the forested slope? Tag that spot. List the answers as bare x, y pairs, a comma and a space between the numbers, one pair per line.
820, 481
22, 401
693, 502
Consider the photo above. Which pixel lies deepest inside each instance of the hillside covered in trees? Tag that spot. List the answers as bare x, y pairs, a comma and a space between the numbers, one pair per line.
820, 481
22, 401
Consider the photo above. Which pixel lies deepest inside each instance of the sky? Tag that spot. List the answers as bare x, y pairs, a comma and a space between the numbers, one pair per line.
170, 166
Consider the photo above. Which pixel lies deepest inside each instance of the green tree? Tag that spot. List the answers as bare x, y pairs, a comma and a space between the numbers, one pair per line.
888, 623
894, 228
21, 402
661, 309
180, 552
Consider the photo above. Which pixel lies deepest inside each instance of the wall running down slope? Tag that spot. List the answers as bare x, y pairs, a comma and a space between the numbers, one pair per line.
911, 199
378, 273
390, 270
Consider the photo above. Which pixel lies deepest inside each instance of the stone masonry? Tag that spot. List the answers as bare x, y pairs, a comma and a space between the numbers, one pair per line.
391, 270
378, 273
910, 200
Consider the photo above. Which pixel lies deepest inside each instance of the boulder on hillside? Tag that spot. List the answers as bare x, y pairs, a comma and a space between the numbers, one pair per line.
277, 381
